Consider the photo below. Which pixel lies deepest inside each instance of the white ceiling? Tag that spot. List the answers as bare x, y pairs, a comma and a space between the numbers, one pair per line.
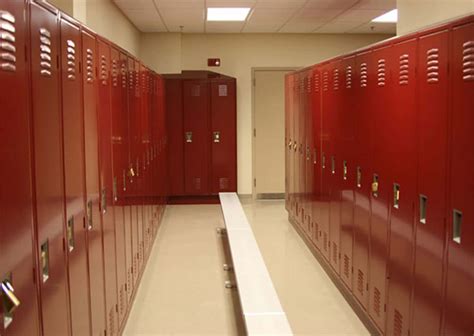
266, 16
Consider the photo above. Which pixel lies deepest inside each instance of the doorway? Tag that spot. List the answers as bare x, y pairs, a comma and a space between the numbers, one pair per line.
269, 132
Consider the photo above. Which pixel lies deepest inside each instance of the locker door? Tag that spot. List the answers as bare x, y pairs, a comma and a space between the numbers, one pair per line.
316, 157
347, 167
124, 189
333, 116
106, 184
224, 136
16, 193
174, 120
301, 151
119, 180
132, 190
287, 142
459, 306
196, 137
401, 135
361, 170
296, 85
49, 173
381, 195
94, 223
73, 138
325, 161
430, 208
308, 146
291, 140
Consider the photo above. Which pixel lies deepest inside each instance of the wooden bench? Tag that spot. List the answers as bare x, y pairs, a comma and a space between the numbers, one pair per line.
261, 309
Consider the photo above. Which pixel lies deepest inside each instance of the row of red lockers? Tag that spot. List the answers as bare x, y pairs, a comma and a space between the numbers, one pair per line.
83, 148
380, 176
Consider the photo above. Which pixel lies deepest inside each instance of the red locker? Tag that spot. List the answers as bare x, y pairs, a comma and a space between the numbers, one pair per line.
48, 168
174, 89
224, 135
332, 117
74, 171
287, 142
380, 87
106, 184
325, 163
301, 150
316, 167
17, 259
308, 145
459, 306
119, 134
94, 223
400, 132
292, 145
346, 166
196, 136
361, 170
430, 209
296, 144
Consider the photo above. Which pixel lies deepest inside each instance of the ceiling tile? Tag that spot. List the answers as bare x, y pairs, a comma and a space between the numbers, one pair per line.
359, 15
288, 4
300, 27
260, 15
331, 4
230, 3
134, 4
224, 27
377, 4
338, 27
179, 3
376, 28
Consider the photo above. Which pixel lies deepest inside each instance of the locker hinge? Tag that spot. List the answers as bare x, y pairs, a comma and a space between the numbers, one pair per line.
34, 275
254, 182
116, 308
255, 132
64, 244
126, 288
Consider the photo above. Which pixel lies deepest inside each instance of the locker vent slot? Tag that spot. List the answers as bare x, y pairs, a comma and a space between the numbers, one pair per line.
334, 252
457, 223
45, 53
115, 73
316, 82
197, 183
377, 301
325, 81
325, 241
196, 91
71, 60
360, 282
432, 64
7, 41
404, 69
423, 205
397, 323
364, 75
336, 79
348, 77
346, 265
316, 229
130, 79
381, 73
111, 321
123, 71
89, 66
121, 300
103, 70
468, 61
137, 79
309, 84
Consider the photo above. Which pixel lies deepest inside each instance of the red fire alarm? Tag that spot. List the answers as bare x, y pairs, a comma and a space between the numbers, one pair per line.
214, 62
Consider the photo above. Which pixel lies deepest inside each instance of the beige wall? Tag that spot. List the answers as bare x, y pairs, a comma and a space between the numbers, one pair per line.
416, 14
105, 18
239, 54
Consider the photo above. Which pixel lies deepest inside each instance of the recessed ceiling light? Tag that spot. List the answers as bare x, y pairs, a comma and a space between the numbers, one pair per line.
391, 16
227, 14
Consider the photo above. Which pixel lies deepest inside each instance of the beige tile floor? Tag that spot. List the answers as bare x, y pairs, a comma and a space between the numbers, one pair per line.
182, 290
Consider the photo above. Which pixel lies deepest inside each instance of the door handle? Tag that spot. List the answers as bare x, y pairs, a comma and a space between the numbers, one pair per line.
189, 137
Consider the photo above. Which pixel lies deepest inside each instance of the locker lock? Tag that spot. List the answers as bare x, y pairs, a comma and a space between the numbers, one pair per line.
216, 137
189, 137
290, 143
295, 146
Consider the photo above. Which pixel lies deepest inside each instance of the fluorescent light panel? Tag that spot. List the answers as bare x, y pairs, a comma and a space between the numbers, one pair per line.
227, 14
391, 16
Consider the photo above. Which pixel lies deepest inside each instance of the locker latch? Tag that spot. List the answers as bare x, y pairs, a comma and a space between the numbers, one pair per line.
290, 143
375, 186
70, 234
10, 302
308, 153
45, 261
189, 137
216, 137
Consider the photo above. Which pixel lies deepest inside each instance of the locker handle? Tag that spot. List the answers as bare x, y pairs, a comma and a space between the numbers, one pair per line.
375, 186
315, 156
308, 153
457, 223
103, 201
323, 161
333, 165
10, 301
124, 180
216, 137
396, 196
189, 137
70, 234
89, 216
359, 177
45, 261
344, 170
423, 205
115, 189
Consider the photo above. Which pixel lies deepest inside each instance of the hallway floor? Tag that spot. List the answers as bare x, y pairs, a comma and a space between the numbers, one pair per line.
182, 290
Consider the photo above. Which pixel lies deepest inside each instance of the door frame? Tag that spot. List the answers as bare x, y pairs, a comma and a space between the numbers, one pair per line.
254, 143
